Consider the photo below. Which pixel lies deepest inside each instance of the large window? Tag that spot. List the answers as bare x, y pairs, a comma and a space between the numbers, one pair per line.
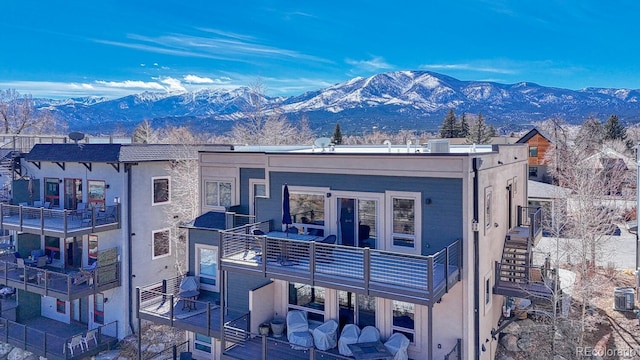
404, 319
207, 266
356, 309
52, 192
307, 211
96, 194
308, 298
161, 190
405, 221
161, 243
218, 193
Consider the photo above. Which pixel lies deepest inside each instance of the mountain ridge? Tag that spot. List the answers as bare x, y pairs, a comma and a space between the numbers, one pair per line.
415, 100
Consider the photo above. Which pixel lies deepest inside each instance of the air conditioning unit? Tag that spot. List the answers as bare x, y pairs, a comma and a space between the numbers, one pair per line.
438, 146
623, 298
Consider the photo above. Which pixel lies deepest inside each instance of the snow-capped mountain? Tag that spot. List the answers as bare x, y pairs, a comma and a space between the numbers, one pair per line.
393, 100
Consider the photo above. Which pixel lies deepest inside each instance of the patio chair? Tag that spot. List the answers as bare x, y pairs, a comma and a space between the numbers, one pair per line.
42, 261
188, 292
20, 263
37, 203
369, 334
298, 330
91, 335
397, 345
331, 239
292, 230
75, 342
108, 215
325, 336
350, 334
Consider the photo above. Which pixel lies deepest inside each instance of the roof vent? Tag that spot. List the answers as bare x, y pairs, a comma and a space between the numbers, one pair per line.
438, 146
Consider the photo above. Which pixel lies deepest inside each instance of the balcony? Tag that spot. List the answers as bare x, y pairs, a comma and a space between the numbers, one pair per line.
413, 278
60, 285
160, 304
52, 342
59, 223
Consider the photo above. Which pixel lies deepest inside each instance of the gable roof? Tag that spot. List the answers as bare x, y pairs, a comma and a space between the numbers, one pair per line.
114, 153
608, 158
526, 137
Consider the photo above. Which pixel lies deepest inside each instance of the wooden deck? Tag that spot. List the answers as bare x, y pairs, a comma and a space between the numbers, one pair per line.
275, 349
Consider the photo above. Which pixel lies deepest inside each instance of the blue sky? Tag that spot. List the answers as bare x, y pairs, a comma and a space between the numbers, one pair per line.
113, 48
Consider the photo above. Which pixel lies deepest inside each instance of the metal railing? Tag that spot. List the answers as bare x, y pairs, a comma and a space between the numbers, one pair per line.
424, 277
24, 143
456, 352
20, 217
172, 352
531, 217
57, 284
50, 345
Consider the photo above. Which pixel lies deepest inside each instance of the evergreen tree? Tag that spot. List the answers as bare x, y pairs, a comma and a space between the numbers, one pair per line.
590, 136
614, 130
449, 126
479, 133
463, 126
337, 135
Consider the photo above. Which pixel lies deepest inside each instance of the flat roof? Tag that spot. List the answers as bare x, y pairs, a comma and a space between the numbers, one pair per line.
369, 149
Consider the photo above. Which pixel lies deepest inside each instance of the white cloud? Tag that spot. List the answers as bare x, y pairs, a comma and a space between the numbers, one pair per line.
195, 79
132, 84
173, 85
469, 67
376, 63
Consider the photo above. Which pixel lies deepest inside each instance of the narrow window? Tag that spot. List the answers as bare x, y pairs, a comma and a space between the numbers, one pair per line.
98, 309
61, 306
161, 244
161, 191
533, 151
404, 319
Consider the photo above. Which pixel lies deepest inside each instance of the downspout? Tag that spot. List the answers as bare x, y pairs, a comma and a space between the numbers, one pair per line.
129, 248
477, 162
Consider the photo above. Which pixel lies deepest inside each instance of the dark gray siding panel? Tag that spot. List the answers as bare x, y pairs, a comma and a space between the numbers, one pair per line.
199, 236
245, 175
238, 286
441, 219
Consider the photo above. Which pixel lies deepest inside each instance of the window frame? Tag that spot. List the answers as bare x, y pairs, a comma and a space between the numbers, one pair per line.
153, 190
252, 195
153, 243
92, 203
61, 306
203, 285
533, 151
533, 171
309, 190
98, 300
232, 200
307, 309
203, 343
417, 221
488, 207
401, 329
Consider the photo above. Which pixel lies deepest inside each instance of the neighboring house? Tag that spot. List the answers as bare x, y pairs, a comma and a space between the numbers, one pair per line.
98, 216
610, 163
394, 237
553, 201
539, 144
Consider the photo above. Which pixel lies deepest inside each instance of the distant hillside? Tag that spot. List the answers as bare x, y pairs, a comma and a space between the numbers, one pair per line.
388, 101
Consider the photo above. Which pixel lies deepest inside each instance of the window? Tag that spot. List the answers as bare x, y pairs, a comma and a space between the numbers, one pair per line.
307, 211
487, 291
161, 190
258, 188
405, 221
207, 266
52, 192
533, 151
307, 298
404, 319
161, 244
487, 207
96, 193
93, 249
356, 309
202, 343
98, 309
533, 171
218, 193
61, 306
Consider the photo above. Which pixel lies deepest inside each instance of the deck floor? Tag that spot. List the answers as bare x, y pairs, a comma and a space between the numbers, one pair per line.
277, 349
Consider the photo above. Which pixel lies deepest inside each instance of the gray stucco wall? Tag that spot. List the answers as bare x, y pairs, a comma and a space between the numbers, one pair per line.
441, 219
245, 175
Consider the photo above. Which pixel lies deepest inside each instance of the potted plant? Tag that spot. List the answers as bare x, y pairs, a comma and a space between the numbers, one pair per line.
277, 326
264, 329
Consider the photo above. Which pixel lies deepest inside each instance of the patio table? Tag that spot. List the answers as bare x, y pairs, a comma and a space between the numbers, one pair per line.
370, 351
284, 251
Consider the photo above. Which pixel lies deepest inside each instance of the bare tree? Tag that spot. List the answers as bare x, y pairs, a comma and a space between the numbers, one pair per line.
144, 133
18, 114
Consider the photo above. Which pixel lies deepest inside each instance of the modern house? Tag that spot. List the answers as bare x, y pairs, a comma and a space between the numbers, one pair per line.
418, 240
539, 144
87, 224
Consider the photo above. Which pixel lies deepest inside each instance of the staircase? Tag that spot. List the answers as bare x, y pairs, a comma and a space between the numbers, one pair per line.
515, 274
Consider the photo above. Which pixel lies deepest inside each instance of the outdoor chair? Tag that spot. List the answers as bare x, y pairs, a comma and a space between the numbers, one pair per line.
75, 342
37, 204
331, 239
298, 330
188, 292
42, 261
20, 263
325, 336
397, 345
91, 335
292, 230
369, 334
109, 215
91, 267
350, 334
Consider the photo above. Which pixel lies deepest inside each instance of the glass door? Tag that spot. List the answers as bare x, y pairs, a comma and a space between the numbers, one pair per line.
52, 192
357, 221
72, 193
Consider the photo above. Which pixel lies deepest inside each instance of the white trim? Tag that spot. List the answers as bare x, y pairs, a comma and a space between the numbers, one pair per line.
417, 236
153, 179
199, 247
223, 179
309, 190
252, 184
358, 195
153, 240
487, 298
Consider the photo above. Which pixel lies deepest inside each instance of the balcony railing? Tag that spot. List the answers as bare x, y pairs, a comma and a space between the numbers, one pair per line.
51, 345
531, 217
525, 281
60, 285
59, 223
161, 304
416, 278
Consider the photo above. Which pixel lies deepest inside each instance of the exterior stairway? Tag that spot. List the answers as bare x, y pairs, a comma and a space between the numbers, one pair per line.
515, 274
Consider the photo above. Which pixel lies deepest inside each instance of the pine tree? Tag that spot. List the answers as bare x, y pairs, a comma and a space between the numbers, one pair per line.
613, 130
590, 136
463, 126
479, 133
337, 135
449, 129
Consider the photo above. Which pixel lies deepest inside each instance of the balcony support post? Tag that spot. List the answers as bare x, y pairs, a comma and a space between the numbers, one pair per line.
430, 276
264, 347
41, 221
446, 269
312, 262
430, 331
263, 242
366, 258
171, 310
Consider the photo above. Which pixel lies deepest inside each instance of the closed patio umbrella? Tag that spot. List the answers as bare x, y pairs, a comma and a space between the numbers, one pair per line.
286, 208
